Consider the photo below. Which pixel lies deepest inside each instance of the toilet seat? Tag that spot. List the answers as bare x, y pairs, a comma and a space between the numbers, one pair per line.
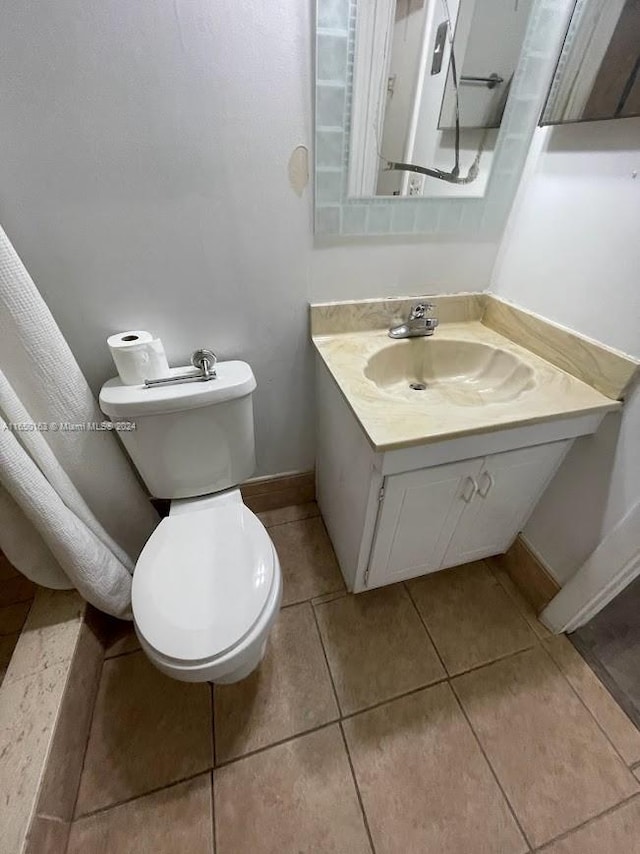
202, 583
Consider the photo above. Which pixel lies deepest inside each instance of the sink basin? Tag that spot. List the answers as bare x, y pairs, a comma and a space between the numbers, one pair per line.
467, 372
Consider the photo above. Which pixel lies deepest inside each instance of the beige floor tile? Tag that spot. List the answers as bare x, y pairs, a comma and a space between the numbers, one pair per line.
309, 566
177, 819
376, 646
295, 797
617, 832
147, 731
554, 764
470, 617
424, 783
289, 693
294, 513
47, 836
622, 733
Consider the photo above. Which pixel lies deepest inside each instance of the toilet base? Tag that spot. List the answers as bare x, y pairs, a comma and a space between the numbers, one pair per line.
242, 672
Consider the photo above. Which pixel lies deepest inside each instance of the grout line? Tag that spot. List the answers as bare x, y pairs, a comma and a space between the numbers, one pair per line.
213, 815
348, 715
328, 598
326, 661
86, 746
310, 599
212, 706
590, 820
122, 654
424, 626
288, 521
585, 706
494, 773
226, 762
154, 791
528, 614
504, 657
357, 788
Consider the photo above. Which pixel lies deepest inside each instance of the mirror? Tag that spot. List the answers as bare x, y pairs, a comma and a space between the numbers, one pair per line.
432, 79
425, 109
598, 74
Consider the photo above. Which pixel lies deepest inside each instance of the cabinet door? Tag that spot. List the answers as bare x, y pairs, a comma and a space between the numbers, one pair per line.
509, 486
419, 513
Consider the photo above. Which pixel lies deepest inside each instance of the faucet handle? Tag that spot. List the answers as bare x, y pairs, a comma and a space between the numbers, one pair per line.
420, 310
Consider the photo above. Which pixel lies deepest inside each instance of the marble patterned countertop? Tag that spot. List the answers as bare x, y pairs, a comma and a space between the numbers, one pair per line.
394, 420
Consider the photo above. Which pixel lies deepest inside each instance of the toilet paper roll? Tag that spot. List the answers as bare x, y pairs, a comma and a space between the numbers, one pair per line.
138, 356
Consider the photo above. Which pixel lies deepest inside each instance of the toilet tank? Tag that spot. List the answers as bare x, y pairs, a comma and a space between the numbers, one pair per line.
187, 439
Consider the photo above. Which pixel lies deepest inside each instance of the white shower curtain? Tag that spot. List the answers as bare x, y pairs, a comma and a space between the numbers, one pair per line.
72, 513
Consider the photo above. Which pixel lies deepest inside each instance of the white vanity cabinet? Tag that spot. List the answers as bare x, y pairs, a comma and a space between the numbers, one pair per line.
401, 512
451, 514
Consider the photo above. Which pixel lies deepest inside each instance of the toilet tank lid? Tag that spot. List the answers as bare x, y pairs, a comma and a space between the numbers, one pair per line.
234, 379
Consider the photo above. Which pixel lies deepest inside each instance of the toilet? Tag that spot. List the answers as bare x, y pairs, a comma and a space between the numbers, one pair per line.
207, 586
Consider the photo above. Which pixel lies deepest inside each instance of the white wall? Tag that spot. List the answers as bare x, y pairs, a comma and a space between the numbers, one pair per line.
143, 179
571, 252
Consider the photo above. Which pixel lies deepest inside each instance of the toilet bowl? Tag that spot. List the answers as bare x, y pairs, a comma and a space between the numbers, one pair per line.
206, 590
207, 585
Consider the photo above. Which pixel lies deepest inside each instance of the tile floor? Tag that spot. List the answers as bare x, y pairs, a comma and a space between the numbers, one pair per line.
435, 717
16, 597
611, 643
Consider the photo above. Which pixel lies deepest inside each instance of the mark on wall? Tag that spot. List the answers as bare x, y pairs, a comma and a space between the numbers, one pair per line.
299, 169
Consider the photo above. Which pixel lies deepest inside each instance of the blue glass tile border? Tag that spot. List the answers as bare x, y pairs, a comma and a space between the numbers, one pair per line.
338, 215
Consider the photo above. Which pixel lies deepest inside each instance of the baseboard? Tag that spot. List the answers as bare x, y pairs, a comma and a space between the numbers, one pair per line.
271, 493
528, 574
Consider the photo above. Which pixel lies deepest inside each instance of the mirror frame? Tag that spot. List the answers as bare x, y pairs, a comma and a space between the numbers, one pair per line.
338, 215
574, 34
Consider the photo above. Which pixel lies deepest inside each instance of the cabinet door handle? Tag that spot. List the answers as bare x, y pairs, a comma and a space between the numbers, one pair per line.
469, 482
483, 492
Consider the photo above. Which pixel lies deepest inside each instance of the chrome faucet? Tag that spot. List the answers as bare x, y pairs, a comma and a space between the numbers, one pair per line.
419, 323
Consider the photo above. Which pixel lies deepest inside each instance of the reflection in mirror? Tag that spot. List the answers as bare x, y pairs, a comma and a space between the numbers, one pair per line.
431, 81
598, 74
351, 83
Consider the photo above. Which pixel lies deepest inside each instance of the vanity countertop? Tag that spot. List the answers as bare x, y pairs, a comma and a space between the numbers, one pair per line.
393, 421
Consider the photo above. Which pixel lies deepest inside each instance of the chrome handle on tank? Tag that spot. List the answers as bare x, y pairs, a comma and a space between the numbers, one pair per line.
205, 363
